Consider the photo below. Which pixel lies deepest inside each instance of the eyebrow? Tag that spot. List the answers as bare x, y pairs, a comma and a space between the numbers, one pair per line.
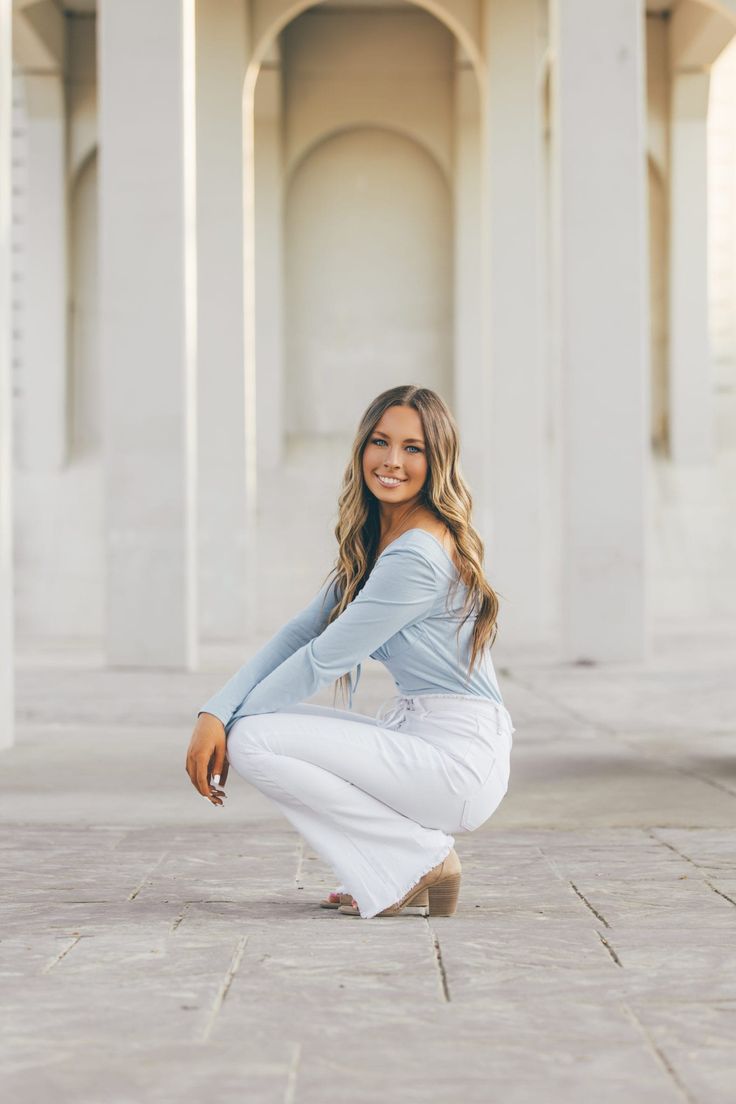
406, 441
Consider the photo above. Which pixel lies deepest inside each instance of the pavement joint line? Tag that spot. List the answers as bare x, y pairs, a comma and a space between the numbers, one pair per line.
179, 917
62, 954
439, 963
290, 1090
610, 949
145, 880
698, 867
665, 843
225, 986
719, 892
659, 1054
90, 901
587, 903
550, 863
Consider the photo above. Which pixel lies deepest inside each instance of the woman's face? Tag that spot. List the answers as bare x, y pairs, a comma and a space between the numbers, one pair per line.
395, 458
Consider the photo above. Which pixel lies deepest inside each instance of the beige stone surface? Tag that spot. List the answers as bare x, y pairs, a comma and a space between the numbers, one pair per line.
155, 948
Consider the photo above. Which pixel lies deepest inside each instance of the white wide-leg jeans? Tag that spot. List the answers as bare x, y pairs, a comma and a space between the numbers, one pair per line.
378, 798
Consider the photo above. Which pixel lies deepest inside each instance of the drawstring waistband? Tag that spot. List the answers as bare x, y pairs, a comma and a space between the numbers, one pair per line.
398, 708
403, 704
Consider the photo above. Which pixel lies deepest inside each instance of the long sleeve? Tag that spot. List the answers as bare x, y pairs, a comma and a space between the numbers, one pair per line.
400, 590
303, 627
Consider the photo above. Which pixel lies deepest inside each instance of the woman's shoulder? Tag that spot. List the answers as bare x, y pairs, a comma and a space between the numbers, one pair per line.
433, 542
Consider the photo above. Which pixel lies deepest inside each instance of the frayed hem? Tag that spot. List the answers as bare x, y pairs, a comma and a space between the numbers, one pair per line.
440, 857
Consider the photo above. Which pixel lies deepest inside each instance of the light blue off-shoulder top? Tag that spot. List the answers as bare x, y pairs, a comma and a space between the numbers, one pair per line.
398, 617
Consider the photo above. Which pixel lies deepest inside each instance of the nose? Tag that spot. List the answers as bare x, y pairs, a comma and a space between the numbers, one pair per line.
391, 458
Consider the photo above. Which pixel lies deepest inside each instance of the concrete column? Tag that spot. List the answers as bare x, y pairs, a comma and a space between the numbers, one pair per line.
600, 189
44, 438
514, 188
222, 42
690, 382
468, 291
269, 258
7, 659
147, 323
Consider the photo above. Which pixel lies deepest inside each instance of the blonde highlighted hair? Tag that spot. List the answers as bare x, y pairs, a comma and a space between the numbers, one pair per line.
444, 493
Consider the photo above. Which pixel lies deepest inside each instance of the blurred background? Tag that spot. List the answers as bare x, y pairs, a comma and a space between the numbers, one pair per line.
228, 225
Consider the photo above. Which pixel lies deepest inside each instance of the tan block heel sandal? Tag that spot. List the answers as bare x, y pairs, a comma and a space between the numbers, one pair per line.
435, 894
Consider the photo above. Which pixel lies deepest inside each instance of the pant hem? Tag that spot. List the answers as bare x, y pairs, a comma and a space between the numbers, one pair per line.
440, 856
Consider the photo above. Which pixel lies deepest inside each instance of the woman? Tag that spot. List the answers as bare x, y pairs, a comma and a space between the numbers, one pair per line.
378, 797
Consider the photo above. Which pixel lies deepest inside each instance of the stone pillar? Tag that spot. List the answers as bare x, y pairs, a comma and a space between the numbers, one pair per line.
690, 382
269, 259
696, 35
44, 438
468, 291
222, 39
7, 659
147, 323
601, 270
514, 187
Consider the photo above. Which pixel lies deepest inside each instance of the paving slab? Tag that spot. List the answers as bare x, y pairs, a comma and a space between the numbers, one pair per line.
154, 948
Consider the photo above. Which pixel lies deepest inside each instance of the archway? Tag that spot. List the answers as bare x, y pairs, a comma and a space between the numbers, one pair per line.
362, 207
263, 347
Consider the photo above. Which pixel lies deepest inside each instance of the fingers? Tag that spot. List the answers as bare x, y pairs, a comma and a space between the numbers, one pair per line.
206, 765
203, 782
217, 794
218, 760
217, 797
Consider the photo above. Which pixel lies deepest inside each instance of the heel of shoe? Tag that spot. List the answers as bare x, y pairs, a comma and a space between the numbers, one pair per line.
443, 896
418, 905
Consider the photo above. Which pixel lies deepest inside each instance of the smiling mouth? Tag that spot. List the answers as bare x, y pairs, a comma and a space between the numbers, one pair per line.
387, 481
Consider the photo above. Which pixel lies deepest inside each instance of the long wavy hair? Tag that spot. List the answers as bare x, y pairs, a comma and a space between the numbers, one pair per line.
444, 493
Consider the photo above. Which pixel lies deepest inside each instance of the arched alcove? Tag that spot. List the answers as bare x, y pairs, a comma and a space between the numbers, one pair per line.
320, 72
368, 276
362, 268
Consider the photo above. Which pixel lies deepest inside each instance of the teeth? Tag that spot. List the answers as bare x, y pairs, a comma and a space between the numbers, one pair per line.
390, 482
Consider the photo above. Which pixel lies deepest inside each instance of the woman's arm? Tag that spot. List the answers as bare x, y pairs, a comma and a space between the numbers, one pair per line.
303, 627
401, 589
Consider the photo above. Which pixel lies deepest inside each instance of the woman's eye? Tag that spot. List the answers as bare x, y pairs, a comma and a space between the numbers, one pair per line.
380, 441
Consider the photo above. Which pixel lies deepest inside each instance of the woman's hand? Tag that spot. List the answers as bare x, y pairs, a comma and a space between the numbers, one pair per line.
207, 757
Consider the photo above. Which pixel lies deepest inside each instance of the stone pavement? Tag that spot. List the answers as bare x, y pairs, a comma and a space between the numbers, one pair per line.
155, 948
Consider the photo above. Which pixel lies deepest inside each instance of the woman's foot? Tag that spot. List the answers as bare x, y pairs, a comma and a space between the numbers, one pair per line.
435, 894
335, 899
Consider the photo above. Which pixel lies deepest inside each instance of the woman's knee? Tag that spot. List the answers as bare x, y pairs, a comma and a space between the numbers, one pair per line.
247, 737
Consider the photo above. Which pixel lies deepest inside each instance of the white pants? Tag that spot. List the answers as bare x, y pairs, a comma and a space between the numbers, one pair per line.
378, 797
